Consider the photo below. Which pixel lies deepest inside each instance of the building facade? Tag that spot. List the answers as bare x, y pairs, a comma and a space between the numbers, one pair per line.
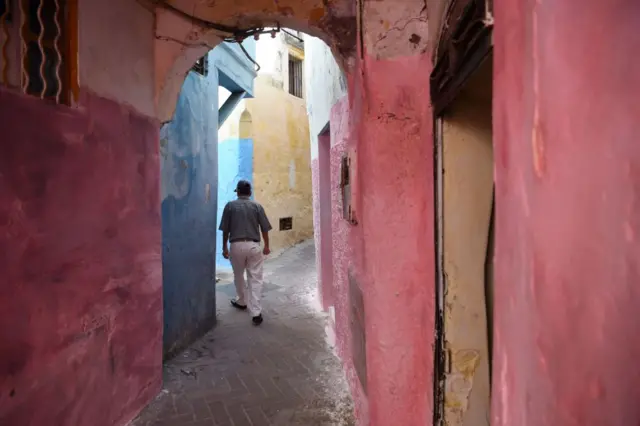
80, 193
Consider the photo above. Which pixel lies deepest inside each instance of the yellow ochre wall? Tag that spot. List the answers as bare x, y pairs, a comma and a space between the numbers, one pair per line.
281, 161
468, 187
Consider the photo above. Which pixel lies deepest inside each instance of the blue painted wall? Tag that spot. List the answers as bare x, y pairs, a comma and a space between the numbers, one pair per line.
189, 163
189, 168
235, 162
236, 71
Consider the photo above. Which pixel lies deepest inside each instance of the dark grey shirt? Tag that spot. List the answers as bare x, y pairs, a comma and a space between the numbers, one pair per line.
243, 219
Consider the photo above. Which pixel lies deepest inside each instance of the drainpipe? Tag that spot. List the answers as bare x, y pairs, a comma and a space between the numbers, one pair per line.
228, 106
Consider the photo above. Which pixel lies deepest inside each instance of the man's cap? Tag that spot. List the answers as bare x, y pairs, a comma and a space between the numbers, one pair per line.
243, 186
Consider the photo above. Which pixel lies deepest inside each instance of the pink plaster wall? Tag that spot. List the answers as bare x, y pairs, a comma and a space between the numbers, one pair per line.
323, 212
386, 127
344, 251
333, 283
567, 265
80, 293
395, 213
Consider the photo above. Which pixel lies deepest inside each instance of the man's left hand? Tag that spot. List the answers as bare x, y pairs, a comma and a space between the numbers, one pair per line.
266, 251
225, 252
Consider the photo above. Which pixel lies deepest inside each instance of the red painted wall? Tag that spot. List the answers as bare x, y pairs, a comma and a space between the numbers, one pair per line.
344, 249
566, 125
395, 211
386, 127
80, 293
333, 283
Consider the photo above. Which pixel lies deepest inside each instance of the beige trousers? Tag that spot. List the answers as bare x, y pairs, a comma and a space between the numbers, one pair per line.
247, 255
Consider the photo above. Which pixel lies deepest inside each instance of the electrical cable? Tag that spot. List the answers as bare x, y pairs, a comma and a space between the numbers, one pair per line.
249, 56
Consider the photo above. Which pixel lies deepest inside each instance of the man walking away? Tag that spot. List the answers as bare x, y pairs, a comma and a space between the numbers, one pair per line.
242, 222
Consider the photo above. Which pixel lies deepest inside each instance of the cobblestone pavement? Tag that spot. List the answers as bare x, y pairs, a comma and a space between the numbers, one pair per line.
282, 373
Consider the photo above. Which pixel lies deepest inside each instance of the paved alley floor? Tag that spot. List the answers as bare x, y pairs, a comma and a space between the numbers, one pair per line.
282, 373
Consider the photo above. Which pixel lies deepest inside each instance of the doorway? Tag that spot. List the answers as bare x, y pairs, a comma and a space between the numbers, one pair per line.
466, 178
461, 94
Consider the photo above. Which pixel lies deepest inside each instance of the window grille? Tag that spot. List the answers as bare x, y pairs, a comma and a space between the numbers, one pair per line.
286, 223
40, 31
6, 25
295, 76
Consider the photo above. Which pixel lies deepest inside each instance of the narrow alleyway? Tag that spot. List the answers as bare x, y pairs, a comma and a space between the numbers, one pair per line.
282, 373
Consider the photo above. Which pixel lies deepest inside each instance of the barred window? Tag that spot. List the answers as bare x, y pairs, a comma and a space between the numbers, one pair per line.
295, 76
44, 46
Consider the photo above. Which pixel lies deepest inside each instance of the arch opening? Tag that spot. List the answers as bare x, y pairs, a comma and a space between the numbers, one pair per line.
265, 140
196, 154
186, 30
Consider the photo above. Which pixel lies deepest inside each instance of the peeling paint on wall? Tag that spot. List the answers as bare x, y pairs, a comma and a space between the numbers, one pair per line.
459, 384
467, 203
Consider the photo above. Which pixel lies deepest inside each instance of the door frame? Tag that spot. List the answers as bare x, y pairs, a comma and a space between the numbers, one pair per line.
439, 367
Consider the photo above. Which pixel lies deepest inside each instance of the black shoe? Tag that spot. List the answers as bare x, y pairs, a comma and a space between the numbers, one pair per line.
238, 306
257, 320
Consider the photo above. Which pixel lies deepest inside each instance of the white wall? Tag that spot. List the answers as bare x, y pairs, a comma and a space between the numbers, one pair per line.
324, 85
111, 64
271, 55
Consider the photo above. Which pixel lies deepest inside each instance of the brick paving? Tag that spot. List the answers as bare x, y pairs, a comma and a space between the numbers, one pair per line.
282, 373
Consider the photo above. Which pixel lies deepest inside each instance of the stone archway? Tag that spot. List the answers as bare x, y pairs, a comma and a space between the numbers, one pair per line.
383, 48
186, 29
184, 32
